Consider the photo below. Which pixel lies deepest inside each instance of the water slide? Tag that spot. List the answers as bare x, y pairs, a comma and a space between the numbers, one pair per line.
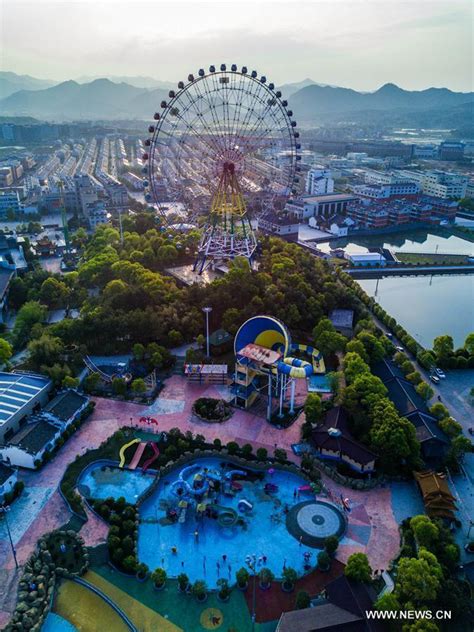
137, 456
123, 449
229, 476
152, 459
294, 367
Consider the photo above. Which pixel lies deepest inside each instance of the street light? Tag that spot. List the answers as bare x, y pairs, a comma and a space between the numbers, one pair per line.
4, 511
251, 561
207, 311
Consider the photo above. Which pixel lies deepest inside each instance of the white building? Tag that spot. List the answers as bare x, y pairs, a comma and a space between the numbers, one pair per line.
319, 181
365, 258
442, 184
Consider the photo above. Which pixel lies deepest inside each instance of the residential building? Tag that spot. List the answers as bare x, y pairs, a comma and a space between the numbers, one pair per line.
333, 440
6, 177
425, 151
319, 181
9, 201
97, 214
324, 206
283, 225
404, 189
451, 150
440, 184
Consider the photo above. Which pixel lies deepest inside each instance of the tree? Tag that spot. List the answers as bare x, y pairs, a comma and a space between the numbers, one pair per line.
138, 351
469, 343
374, 348
6, 351
324, 561
139, 386
354, 365
70, 382
418, 580
326, 338
425, 531
414, 378
119, 386
356, 346
331, 544
443, 347
303, 600
313, 408
45, 350
358, 568
439, 411
460, 445
54, 293
422, 625
424, 390
388, 601
450, 427
30, 314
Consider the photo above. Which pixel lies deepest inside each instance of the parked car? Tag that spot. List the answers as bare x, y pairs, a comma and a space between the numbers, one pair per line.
434, 378
389, 335
401, 349
440, 373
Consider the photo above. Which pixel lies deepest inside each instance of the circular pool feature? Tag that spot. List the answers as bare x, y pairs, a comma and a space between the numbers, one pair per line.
313, 521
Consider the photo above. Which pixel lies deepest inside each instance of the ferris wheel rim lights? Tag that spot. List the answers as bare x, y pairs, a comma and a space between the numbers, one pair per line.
174, 97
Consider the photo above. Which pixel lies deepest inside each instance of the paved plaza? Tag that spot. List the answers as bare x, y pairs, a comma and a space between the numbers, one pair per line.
372, 522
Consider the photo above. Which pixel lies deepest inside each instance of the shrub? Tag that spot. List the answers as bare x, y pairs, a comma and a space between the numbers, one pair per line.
324, 561
246, 449
232, 447
289, 576
183, 581
280, 455
262, 454
242, 576
159, 576
224, 589
358, 568
142, 570
265, 576
330, 544
199, 589
303, 600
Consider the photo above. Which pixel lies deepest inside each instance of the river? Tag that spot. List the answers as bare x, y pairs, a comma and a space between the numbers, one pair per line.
427, 306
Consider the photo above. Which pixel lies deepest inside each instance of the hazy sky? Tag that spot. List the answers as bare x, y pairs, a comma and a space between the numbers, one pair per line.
358, 43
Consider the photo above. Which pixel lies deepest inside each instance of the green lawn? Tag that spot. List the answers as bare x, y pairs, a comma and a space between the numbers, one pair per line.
431, 258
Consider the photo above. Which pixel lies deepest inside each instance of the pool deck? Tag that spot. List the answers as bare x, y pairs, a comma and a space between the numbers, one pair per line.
372, 524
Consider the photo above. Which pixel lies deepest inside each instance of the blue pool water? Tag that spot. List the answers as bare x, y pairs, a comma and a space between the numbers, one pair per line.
219, 550
55, 623
103, 481
319, 384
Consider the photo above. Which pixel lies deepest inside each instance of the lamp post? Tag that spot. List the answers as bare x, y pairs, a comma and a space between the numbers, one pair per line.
207, 311
4, 511
251, 561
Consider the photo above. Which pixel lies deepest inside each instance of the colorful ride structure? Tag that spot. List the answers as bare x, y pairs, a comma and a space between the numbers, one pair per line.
138, 454
264, 363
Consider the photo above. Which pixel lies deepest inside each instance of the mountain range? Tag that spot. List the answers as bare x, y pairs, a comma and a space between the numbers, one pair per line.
311, 103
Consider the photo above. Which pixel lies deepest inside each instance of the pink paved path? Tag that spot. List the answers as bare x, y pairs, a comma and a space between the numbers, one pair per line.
243, 427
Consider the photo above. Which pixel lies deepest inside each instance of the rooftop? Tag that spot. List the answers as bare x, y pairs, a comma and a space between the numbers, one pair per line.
342, 317
66, 404
328, 197
17, 390
33, 437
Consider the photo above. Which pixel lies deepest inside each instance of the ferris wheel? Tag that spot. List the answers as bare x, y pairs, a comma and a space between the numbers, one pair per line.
223, 151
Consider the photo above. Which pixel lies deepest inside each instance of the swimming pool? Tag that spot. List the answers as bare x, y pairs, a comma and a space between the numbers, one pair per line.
246, 516
103, 481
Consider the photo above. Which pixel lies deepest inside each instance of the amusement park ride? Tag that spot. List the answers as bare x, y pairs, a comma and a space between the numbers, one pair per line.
222, 152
